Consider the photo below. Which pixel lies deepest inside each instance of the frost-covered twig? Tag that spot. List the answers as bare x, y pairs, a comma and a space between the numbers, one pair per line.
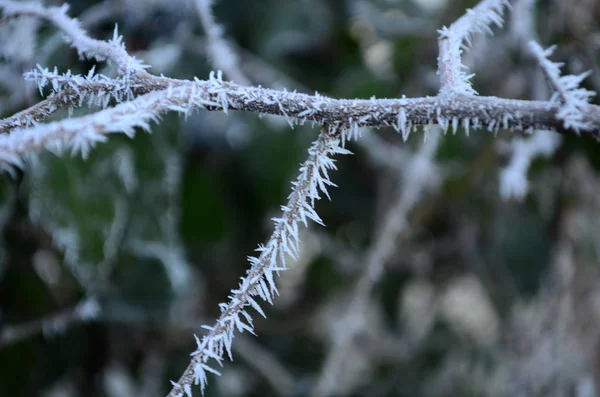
74, 91
403, 114
130, 68
81, 134
259, 280
574, 100
451, 41
419, 174
113, 50
219, 49
184, 96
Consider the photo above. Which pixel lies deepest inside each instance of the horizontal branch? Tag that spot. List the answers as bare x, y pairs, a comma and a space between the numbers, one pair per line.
74, 96
403, 114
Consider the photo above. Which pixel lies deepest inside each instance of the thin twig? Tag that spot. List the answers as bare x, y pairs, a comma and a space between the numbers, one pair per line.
453, 78
113, 50
573, 98
259, 279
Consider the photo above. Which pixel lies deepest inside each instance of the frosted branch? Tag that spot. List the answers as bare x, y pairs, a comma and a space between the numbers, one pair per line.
74, 91
214, 94
81, 134
259, 280
452, 71
574, 100
112, 50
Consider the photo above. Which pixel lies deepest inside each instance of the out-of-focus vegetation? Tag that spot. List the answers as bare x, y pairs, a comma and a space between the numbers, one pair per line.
483, 295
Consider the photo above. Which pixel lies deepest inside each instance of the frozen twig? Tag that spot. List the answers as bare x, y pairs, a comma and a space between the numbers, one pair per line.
418, 175
81, 134
183, 96
259, 280
113, 50
574, 100
219, 49
97, 88
74, 91
451, 41
403, 114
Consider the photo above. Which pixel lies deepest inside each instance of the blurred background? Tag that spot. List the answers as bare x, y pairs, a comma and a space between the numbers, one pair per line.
491, 286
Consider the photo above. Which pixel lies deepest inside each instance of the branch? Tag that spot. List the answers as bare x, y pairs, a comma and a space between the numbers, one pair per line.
403, 114
259, 279
183, 96
574, 100
74, 90
453, 78
113, 50
81, 134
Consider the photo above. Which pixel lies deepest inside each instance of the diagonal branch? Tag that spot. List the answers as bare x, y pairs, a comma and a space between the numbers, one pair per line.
574, 99
113, 50
259, 279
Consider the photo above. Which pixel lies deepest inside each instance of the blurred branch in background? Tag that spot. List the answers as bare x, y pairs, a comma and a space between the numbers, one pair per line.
91, 311
418, 175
